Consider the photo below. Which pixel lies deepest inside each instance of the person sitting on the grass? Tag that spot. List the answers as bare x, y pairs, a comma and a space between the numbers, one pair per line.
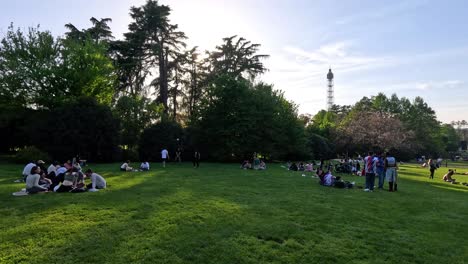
293, 167
301, 167
246, 165
262, 165
448, 176
97, 181
32, 181
68, 164
126, 166
43, 180
328, 179
256, 162
41, 164
339, 183
27, 170
144, 166
68, 182
309, 167
77, 165
52, 169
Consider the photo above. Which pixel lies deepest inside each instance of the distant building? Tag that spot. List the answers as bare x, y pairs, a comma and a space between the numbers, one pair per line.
330, 90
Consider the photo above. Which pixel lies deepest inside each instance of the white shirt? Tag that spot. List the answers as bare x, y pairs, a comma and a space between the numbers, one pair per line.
373, 163
61, 170
27, 169
164, 153
144, 165
328, 179
124, 166
51, 168
98, 180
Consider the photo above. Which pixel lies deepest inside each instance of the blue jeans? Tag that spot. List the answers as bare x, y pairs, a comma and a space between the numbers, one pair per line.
381, 174
370, 181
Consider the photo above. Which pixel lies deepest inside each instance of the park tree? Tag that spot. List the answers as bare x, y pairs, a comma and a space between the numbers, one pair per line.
236, 57
242, 118
40, 71
373, 131
30, 68
82, 127
99, 32
449, 137
136, 114
194, 89
156, 42
164, 134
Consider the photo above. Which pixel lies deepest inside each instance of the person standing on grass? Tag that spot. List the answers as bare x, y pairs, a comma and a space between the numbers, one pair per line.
370, 163
196, 158
381, 170
432, 167
164, 156
391, 172
178, 155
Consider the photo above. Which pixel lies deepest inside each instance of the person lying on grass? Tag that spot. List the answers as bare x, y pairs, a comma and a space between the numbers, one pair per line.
97, 181
32, 181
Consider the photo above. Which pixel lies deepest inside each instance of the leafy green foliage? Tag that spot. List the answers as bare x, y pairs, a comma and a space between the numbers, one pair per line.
30, 153
319, 146
158, 136
135, 114
409, 128
236, 56
37, 70
14, 122
83, 127
239, 119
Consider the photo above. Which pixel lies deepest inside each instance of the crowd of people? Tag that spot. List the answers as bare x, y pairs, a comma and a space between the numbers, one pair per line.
255, 163
66, 177
380, 166
69, 177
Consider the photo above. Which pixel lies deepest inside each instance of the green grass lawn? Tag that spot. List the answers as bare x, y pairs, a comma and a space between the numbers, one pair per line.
221, 214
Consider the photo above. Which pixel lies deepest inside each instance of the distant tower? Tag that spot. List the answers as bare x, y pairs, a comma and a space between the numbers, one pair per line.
330, 95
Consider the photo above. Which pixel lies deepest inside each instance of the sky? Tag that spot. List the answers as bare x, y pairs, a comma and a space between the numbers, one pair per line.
408, 47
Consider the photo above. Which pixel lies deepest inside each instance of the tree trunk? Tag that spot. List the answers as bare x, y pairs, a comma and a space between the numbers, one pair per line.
163, 78
174, 95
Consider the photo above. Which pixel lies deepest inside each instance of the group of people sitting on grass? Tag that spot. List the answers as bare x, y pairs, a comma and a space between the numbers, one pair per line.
67, 177
301, 167
255, 163
144, 166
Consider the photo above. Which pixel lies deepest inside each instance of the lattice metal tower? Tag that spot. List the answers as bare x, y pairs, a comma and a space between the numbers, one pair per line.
330, 90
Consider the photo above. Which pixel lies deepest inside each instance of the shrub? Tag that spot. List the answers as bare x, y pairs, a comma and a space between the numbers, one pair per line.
30, 153
158, 136
83, 127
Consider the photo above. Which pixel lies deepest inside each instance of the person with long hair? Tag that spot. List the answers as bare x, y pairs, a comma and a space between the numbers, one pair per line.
32, 181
